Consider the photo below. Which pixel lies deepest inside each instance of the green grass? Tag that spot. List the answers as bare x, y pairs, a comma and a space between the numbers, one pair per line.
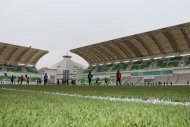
174, 93
21, 109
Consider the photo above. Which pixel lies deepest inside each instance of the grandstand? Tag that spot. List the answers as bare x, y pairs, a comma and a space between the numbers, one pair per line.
161, 55
18, 60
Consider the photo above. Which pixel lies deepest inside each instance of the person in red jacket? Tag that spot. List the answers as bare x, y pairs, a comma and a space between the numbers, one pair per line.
118, 76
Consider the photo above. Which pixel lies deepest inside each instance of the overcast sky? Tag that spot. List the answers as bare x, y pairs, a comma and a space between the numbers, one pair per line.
61, 25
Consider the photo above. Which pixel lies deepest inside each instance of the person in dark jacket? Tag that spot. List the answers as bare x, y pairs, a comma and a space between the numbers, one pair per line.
90, 76
118, 76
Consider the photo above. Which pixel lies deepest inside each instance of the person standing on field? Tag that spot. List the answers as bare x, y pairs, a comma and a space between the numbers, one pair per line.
21, 79
27, 80
12, 79
106, 81
118, 76
90, 78
45, 79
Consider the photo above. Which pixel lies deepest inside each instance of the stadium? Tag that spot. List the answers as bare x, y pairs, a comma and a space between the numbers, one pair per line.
159, 57
154, 91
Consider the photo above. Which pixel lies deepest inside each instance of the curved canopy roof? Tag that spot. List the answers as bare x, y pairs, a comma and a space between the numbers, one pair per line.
14, 54
174, 39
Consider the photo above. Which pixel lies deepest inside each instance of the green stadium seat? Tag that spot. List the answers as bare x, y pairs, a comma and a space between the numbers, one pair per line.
91, 68
121, 66
31, 69
33, 79
82, 81
176, 58
173, 64
145, 65
10, 69
102, 69
1, 68
135, 67
137, 62
18, 69
2, 78
161, 63
188, 61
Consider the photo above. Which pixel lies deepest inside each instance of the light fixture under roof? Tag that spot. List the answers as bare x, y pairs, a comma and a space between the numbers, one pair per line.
117, 62
185, 54
125, 61
108, 63
135, 60
94, 65
156, 58
146, 59
101, 64
169, 56
30, 65
21, 64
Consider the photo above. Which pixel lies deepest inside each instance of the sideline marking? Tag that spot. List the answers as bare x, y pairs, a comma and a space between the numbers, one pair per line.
138, 100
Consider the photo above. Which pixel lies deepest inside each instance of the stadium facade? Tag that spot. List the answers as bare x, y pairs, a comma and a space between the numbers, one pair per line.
19, 60
65, 70
156, 57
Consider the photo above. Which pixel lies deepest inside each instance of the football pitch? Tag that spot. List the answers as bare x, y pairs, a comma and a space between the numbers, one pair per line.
79, 106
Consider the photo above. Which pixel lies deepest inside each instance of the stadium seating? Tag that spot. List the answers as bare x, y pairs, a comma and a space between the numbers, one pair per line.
161, 63
161, 79
31, 69
121, 66
90, 69
173, 64
33, 79
183, 78
124, 80
145, 65
1, 68
134, 80
104, 68
18, 69
139, 69
188, 61
135, 67
139, 65
137, 62
175, 58
173, 78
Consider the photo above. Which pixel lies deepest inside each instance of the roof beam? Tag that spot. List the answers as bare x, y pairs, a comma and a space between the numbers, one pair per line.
38, 58
125, 51
93, 55
134, 49
113, 50
83, 56
103, 51
21, 55
101, 56
11, 54
31, 56
141, 41
172, 41
2, 49
185, 36
156, 42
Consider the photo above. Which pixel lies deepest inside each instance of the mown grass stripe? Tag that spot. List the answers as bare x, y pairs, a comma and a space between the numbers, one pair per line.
138, 100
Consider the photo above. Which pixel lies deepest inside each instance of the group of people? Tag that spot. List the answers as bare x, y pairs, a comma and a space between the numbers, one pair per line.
118, 79
20, 79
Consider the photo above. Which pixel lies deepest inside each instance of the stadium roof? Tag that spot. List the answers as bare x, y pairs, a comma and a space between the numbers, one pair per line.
170, 40
14, 54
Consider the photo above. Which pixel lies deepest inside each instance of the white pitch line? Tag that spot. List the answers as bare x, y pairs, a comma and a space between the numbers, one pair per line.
138, 100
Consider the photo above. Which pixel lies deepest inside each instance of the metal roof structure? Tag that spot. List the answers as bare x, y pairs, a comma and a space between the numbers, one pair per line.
15, 54
169, 40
